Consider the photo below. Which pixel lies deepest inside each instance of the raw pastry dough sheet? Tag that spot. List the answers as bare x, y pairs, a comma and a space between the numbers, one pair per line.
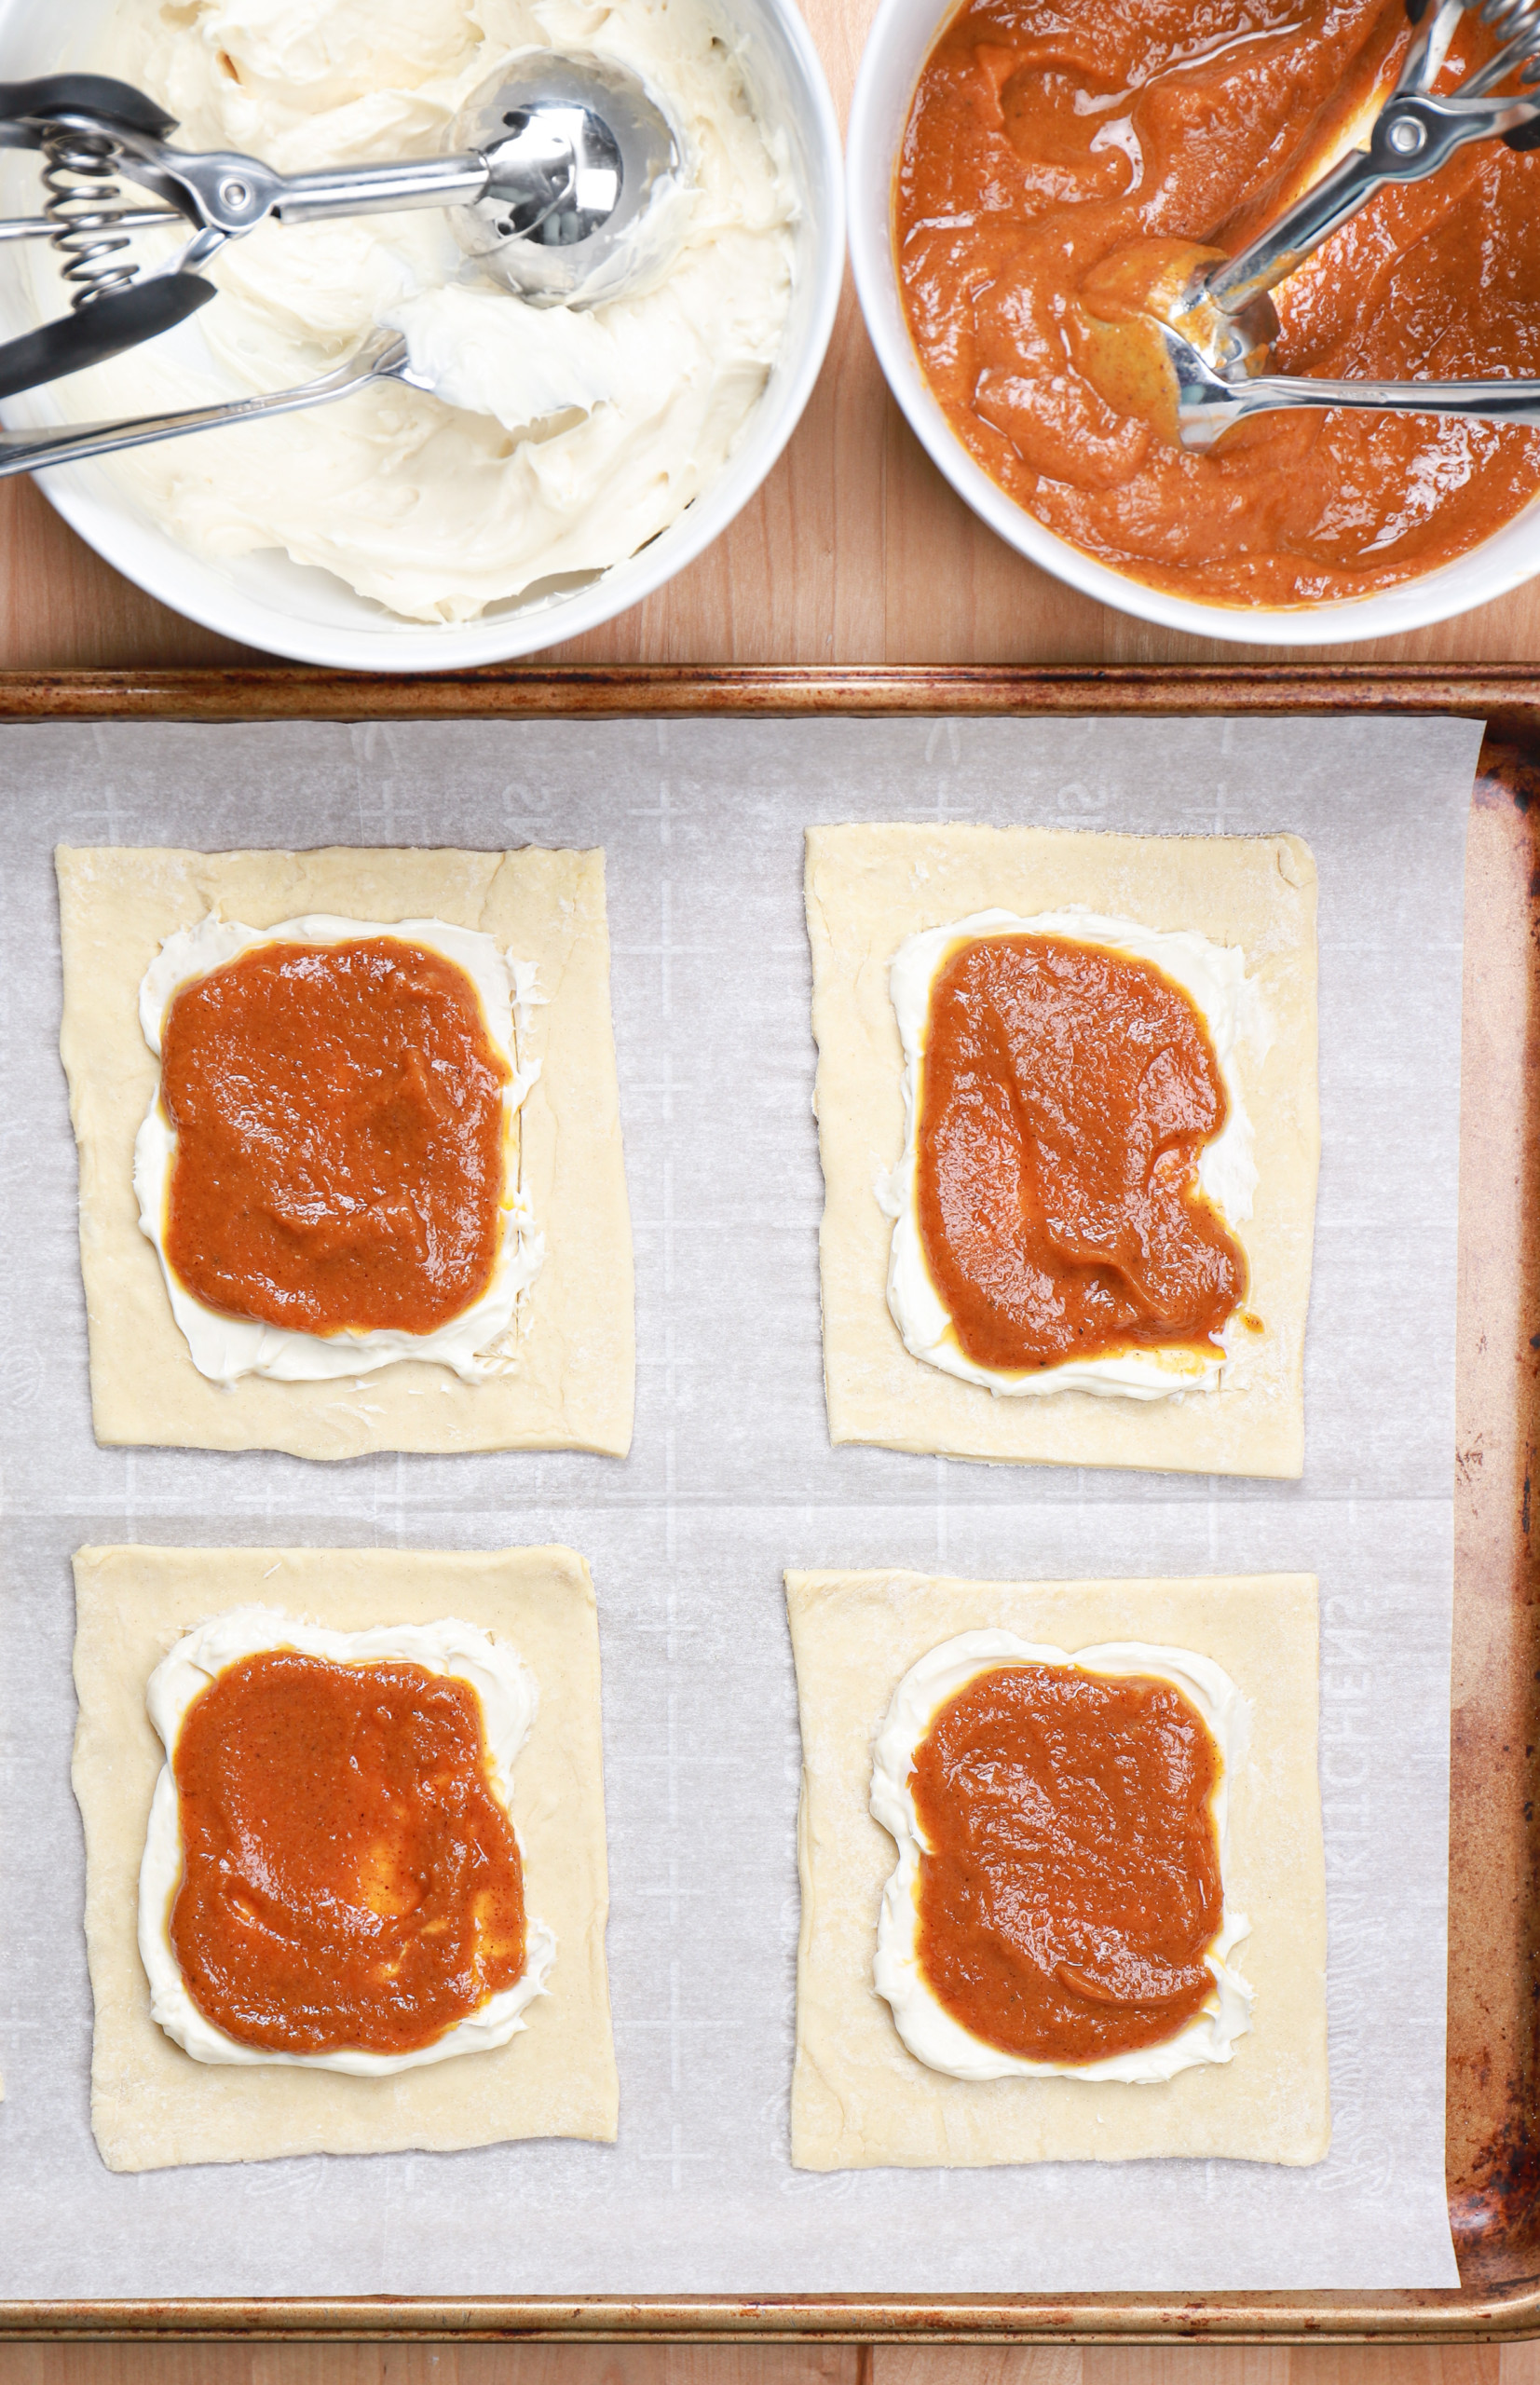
731, 1480
573, 1386
152, 2106
860, 2100
868, 888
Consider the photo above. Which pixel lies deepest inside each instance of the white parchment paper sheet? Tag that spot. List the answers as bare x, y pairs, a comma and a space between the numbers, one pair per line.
731, 1478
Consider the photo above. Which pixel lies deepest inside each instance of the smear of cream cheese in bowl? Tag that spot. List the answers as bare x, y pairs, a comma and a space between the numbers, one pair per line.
557, 441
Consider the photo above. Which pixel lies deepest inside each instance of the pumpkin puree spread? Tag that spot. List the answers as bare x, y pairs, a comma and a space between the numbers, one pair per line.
1066, 1094
1044, 138
350, 1879
339, 1138
1070, 1886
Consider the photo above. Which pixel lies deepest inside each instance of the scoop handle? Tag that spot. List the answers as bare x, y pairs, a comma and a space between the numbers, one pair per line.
25, 107
123, 319
381, 358
1210, 408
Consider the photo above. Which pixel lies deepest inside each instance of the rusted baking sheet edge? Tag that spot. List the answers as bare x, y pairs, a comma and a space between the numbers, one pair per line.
1513, 2311
1502, 692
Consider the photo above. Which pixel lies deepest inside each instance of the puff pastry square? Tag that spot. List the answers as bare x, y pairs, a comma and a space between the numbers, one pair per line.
573, 1385
153, 2107
868, 888
860, 2100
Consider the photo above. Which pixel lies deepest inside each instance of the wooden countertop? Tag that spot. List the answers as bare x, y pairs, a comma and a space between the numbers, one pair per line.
854, 551
750, 2364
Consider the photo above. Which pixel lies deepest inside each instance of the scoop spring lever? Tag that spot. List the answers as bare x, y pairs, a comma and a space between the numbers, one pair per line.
91, 227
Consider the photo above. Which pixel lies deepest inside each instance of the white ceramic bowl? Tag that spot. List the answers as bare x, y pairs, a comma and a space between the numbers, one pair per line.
896, 49
264, 600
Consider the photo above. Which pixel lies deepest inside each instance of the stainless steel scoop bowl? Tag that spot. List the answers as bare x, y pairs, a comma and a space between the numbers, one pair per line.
576, 150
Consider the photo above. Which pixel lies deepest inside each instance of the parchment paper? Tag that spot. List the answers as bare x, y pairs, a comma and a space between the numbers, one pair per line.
731, 1478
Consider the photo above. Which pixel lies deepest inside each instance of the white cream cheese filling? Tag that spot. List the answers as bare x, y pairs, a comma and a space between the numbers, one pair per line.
479, 1343
930, 2032
509, 1697
557, 440
1214, 978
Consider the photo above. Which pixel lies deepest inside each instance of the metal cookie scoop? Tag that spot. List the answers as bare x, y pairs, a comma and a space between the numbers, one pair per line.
1228, 315
551, 171
1160, 317
610, 147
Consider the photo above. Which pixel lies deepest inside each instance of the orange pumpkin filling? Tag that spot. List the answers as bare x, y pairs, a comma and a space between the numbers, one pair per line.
340, 1137
350, 1877
1071, 1887
1066, 1095
1042, 142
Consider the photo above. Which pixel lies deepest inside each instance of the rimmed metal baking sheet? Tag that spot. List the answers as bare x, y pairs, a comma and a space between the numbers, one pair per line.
1491, 2053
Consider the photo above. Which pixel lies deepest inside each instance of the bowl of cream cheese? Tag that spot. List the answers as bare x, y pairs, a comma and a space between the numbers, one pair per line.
567, 461
995, 156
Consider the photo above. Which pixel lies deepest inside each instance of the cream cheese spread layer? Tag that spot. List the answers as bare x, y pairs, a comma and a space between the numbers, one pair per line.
557, 440
509, 1697
1214, 978
929, 2031
479, 1343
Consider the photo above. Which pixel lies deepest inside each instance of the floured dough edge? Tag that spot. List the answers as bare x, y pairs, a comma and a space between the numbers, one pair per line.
860, 2100
867, 890
153, 2108
574, 1386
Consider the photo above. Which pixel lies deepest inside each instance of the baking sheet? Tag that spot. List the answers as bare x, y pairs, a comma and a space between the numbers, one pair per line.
731, 1478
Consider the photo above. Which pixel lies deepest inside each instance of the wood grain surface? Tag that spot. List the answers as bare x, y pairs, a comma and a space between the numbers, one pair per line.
748, 2364
855, 551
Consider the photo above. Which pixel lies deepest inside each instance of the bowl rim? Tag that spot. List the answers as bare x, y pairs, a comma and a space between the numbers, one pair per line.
198, 588
869, 166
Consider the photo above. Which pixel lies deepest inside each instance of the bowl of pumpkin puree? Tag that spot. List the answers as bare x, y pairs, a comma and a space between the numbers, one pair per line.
1000, 152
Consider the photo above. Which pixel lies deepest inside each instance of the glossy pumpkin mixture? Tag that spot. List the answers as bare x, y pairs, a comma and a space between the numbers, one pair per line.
349, 1877
340, 1137
1044, 138
1066, 1094
1072, 1883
